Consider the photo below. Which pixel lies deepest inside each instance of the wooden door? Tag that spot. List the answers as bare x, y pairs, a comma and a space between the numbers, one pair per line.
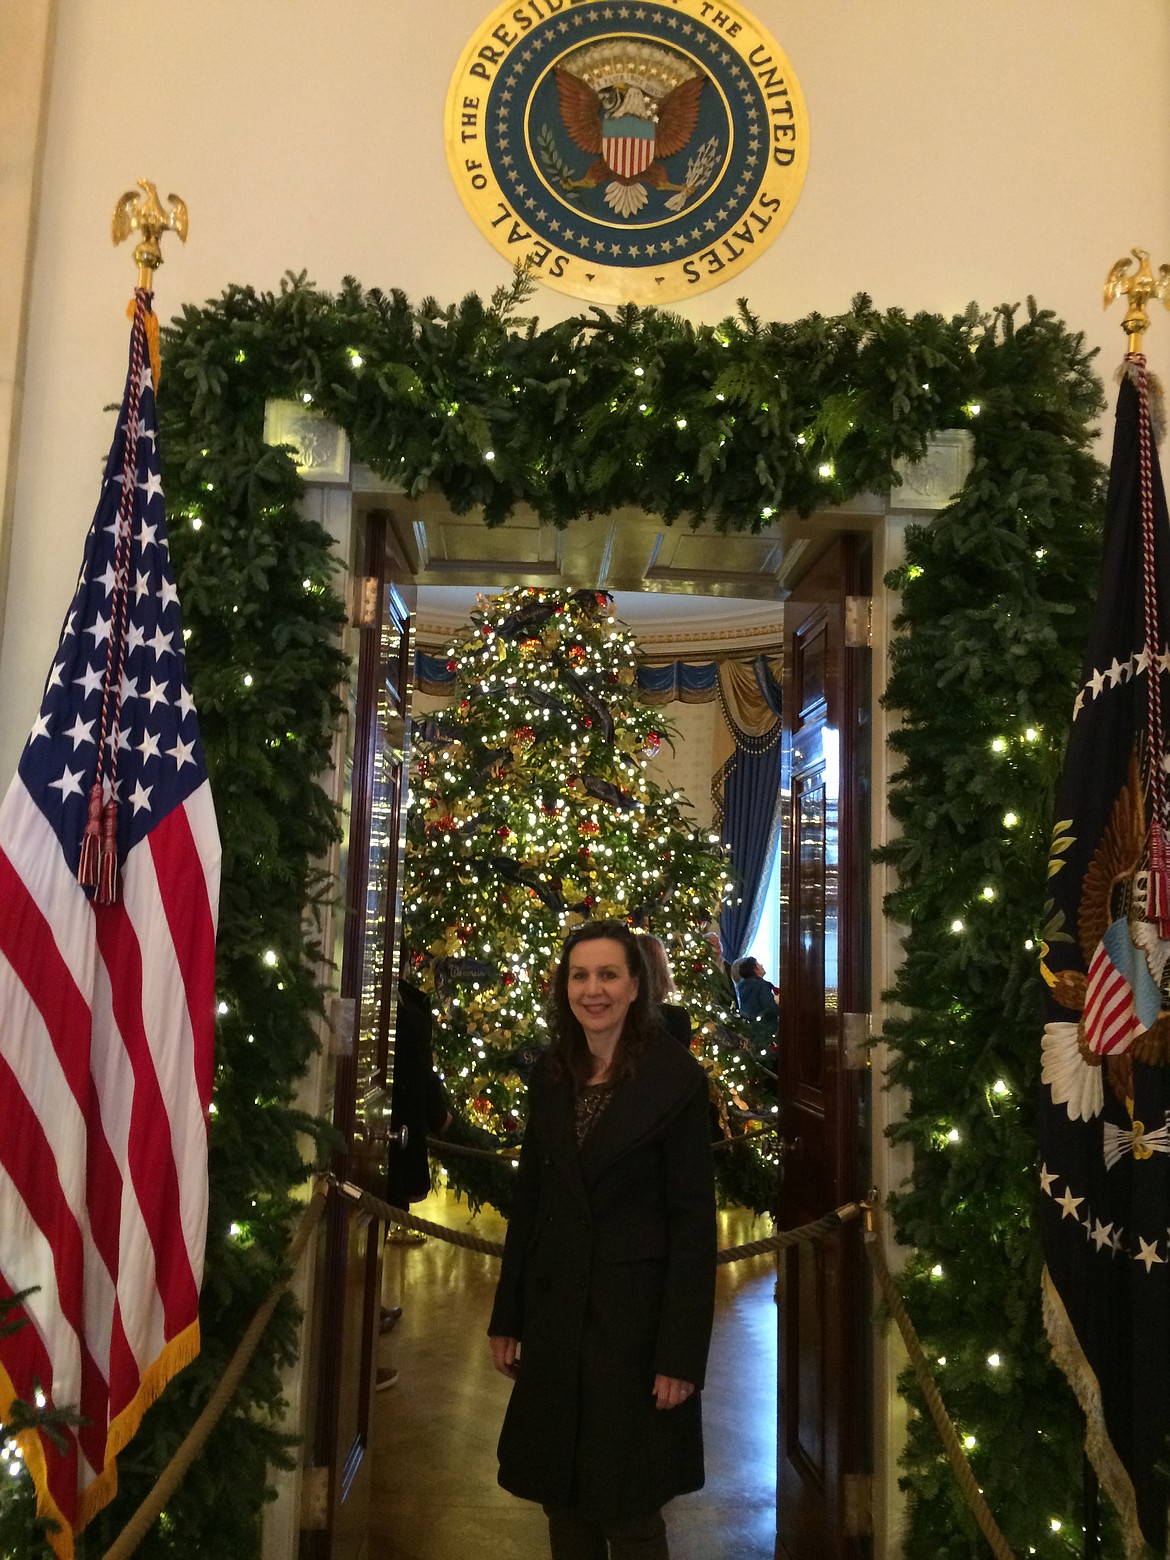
823, 1372
349, 1286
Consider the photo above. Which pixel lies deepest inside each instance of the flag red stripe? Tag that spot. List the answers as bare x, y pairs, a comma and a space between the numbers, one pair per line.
151, 1161
1109, 1016
182, 887
125, 1373
35, 1177
27, 1362
27, 941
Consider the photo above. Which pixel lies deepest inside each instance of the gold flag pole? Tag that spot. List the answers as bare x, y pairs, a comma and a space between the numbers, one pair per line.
144, 214
1139, 287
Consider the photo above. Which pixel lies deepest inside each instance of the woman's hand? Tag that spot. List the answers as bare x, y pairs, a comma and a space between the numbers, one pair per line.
504, 1356
669, 1391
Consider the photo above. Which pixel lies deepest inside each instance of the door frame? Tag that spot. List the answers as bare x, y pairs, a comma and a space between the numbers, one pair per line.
337, 508
823, 1440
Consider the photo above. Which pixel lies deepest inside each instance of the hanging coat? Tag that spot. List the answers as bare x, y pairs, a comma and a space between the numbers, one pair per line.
608, 1280
418, 1100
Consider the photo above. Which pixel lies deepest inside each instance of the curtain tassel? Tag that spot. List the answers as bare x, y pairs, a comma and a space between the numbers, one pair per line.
107, 889
87, 866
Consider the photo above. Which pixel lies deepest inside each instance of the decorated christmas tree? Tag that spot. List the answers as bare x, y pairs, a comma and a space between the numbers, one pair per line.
532, 809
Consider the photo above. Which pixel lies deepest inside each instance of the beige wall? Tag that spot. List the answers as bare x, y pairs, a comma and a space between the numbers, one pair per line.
983, 150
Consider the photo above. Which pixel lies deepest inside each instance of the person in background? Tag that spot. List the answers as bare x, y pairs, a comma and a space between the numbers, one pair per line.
754, 996
418, 1102
675, 1019
602, 1316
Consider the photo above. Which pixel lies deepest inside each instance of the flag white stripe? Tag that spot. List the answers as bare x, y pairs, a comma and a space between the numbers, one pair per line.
51, 1100
167, 1024
200, 810
113, 1078
35, 852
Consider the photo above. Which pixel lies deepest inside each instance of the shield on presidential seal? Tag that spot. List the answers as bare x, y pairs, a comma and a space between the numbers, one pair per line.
627, 144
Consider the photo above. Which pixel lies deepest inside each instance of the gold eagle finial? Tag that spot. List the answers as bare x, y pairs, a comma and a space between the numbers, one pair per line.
1139, 287
144, 214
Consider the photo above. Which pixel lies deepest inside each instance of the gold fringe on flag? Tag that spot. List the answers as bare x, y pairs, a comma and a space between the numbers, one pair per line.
1069, 1356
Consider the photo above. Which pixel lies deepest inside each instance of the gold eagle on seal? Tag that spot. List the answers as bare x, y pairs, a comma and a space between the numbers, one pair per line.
629, 105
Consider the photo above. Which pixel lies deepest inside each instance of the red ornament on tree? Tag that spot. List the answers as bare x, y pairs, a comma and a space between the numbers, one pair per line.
503, 831
576, 654
588, 721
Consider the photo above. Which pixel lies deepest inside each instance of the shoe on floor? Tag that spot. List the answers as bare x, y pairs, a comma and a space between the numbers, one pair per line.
386, 1377
401, 1235
389, 1318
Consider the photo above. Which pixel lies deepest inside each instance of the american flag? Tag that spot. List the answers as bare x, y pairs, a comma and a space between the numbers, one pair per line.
107, 1008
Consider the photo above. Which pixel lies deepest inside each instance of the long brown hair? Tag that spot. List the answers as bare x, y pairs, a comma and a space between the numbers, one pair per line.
662, 987
570, 1052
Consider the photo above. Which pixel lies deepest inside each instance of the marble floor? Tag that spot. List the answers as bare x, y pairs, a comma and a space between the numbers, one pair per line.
435, 1495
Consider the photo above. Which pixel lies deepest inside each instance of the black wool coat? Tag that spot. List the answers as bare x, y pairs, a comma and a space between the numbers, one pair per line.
418, 1100
608, 1280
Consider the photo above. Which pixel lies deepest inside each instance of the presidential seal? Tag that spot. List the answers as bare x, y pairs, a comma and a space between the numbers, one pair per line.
628, 152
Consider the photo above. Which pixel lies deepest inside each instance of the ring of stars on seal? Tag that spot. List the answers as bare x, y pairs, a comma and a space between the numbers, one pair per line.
627, 150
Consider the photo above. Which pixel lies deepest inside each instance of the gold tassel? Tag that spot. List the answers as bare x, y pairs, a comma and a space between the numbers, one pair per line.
1155, 394
152, 345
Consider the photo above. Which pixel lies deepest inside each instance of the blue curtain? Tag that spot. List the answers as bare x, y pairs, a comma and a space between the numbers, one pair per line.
691, 684
751, 788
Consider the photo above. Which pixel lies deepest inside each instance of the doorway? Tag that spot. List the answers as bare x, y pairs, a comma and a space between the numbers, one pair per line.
418, 551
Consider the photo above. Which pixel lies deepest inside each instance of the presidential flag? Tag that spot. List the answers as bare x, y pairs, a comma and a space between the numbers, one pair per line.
109, 885
1105, 1097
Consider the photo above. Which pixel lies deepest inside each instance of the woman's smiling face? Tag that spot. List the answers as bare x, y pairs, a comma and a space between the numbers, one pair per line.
600, 987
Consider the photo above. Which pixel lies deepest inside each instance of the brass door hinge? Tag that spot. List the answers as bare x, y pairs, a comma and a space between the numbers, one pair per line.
342, 1017
857, 1505
858, 622
315, 1498
364, 605
855, 1036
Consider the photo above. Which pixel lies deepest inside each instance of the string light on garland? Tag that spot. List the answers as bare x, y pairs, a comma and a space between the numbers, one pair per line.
1038, 398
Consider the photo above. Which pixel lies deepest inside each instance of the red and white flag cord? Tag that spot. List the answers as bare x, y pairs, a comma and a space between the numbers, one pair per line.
97, 867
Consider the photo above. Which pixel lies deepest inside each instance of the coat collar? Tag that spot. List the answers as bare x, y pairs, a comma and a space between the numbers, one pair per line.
641, 1106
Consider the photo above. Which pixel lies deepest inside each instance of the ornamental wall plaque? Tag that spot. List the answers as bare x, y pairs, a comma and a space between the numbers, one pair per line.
629, 150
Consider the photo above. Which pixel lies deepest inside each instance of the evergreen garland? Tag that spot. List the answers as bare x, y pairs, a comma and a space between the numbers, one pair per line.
730, 423
994, 618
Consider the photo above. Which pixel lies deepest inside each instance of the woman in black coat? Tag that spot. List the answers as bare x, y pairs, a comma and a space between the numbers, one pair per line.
603, 1312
